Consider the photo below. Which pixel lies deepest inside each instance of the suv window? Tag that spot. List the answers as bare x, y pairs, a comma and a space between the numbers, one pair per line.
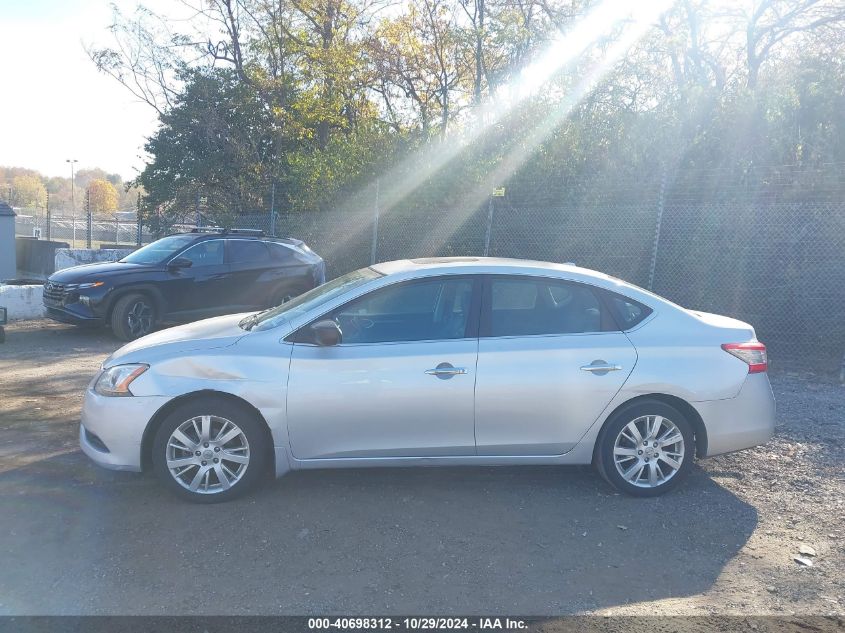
533, 306
206, 253
280, 252
437, 309
248, 252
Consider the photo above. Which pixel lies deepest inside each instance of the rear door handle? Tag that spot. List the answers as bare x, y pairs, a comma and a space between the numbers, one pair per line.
600, 367
446, 370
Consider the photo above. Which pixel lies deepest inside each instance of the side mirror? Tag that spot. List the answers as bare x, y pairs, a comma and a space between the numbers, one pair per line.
180, 262
327, 333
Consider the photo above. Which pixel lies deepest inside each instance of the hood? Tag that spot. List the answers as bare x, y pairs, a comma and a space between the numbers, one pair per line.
201, 335
88, 272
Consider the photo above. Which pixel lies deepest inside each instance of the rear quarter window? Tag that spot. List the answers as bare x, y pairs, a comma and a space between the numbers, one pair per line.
281, 253
626, 312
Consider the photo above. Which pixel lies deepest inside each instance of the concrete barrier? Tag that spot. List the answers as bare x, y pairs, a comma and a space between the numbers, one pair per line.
68, 257
36, 258
22, 302
25, 301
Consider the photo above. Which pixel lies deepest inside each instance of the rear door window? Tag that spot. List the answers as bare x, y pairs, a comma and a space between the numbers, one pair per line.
533, 306
248, 252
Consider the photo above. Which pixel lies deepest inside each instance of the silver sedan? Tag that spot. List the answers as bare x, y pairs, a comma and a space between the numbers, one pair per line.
462, 361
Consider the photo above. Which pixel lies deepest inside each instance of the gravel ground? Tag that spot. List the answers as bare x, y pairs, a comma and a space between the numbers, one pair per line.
75, 539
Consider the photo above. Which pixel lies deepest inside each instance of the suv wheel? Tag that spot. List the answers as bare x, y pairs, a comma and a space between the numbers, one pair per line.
210, 450
133, 316
283, 295
646, 449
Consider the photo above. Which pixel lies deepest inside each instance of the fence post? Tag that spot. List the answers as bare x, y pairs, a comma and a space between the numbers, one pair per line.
374, 247
661, 201
197, 219
489, 233
138, 220
49, 218
89, 229
273, 210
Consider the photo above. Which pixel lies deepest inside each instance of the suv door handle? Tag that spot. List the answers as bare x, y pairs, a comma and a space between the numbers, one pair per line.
446, 370
600, 367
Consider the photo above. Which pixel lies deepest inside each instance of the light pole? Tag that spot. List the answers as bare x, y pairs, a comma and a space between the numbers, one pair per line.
72, 202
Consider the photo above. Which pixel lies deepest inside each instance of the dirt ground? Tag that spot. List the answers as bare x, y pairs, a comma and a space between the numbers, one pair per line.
75, 539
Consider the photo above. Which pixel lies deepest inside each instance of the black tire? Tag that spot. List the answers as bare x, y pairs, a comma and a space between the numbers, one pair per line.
240, 415
283, 295
133, 316
605, 446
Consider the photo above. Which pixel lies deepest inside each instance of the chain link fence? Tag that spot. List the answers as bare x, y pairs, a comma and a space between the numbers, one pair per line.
79, 231
766, 246
760, 247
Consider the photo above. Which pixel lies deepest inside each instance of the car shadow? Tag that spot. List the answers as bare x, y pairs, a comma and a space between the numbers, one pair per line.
525, 540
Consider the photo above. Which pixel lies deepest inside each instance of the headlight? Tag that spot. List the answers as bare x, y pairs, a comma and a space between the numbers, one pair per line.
94, 284
115, 381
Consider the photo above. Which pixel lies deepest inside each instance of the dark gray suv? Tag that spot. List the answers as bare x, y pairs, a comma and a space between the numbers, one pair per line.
184, 277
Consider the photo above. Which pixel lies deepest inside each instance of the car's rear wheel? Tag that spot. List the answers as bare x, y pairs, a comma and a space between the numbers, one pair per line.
133, 316
646, 449
210, 450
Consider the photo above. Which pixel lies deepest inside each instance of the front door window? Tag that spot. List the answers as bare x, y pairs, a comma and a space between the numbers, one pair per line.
429, 310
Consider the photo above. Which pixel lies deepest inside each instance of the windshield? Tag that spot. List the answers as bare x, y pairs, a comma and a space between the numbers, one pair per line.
159, 250
308, 301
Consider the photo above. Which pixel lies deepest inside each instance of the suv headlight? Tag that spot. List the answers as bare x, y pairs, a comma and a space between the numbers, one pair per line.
115, 381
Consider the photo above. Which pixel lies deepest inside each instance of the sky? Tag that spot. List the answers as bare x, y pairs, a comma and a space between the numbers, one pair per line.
54, 104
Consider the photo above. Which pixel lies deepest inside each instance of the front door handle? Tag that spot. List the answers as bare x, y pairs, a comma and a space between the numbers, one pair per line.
446, 370
600, 367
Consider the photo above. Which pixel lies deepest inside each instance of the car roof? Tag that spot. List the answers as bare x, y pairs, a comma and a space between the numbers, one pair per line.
479, 265
409, 268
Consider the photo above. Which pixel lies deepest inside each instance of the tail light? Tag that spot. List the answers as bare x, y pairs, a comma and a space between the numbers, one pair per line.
753, 354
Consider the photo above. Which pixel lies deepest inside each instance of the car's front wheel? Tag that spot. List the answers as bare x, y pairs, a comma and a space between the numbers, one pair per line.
646, 449
133, 316
210, 450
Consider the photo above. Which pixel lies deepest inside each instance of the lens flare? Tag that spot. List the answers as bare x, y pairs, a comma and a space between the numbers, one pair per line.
599, 24
641, 22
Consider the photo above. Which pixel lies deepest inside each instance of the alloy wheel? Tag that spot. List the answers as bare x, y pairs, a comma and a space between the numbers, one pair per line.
140, 319
207, 454
648, 451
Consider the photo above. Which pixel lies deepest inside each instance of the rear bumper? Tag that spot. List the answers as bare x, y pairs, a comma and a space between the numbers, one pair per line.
741, 422
112, 428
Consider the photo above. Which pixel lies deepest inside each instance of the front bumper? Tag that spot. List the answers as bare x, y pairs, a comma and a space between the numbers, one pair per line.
63, 315
70, 305
741, 422
115, 428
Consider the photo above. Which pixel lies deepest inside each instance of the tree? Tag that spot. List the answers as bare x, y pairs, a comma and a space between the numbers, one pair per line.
28, 191
771, 22
315, 96
85, 176
102, 197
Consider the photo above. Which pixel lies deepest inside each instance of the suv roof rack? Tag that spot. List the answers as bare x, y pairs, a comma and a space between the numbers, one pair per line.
254, 232
221, 231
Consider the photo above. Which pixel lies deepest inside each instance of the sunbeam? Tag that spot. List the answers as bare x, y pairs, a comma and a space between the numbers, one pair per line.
641, 18
401, 181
